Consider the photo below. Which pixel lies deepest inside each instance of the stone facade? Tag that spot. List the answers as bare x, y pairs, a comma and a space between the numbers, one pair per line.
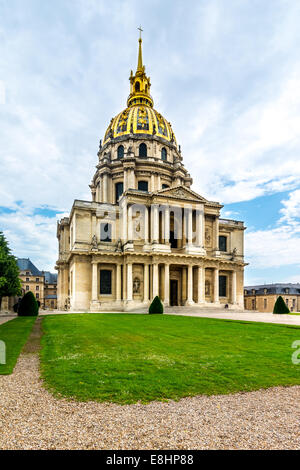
146, 232
262, 298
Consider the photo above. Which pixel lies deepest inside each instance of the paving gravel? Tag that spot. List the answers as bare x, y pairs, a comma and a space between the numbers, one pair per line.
31, 418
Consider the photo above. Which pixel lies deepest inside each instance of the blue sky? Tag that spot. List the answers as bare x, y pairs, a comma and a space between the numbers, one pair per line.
226, 73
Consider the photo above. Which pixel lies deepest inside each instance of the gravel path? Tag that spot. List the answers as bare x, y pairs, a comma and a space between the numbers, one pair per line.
30, 418
5, 318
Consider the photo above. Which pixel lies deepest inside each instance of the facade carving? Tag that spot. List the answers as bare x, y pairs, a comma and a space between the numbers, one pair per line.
145, 232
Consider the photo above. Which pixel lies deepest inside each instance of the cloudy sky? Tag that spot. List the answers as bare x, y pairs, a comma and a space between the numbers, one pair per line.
226, 73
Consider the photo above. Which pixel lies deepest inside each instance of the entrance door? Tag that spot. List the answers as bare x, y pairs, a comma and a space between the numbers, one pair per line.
173, 292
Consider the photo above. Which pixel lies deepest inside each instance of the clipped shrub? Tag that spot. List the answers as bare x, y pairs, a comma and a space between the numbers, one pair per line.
280, 306
156, 306
28, 306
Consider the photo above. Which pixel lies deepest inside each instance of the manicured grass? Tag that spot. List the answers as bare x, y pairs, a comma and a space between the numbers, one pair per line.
14, 333
128, 358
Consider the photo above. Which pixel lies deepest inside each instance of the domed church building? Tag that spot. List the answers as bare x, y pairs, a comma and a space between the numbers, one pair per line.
145, 232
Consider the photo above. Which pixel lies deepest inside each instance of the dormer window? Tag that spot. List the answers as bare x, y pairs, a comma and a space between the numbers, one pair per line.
143, 186
143, 151
105, 232
120, 152
164, 154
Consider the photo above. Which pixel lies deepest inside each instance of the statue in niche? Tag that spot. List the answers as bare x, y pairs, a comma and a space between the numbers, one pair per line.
207, 236
234, 254
94, 243
136, 285
119, 246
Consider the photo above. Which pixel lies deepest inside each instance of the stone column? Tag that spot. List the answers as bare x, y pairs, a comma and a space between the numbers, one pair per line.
155, 223
158, 183
94, 282
233, 287
130, 224
118, 283
105, 188
155, 283
129, 281
125, 184
146, 225
167, 224
216, 285
190, 227
124, 222
216, 238
146, 282
201, 284
199, 227
152, 184
189, 300
167, 285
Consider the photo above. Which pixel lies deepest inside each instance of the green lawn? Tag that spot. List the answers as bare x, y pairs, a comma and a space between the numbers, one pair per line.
128, 358
14, 333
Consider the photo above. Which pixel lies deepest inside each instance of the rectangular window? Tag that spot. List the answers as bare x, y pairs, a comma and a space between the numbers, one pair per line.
105, 282
287, 302
27, 279
105, 232
253, 304
265, 303
222, 286
119, 191
143, 186
27, 287
37, 288
37, 296
222, 243
37, 279
173, 240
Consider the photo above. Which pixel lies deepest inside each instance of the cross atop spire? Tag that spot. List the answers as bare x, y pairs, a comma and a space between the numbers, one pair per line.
140, 30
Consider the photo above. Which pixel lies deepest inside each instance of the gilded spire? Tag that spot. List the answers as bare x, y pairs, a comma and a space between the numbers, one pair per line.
140, 59
140, 83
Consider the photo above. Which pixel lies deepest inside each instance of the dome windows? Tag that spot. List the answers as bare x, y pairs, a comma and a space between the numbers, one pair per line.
143, 150
120, 152
164, 154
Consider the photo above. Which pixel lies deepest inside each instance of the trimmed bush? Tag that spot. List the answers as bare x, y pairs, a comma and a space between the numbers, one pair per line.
156, 306
280, 306
28, 306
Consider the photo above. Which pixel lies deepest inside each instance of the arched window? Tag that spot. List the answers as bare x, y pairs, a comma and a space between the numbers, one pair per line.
137, 86
120, 152
143, 151
163, 154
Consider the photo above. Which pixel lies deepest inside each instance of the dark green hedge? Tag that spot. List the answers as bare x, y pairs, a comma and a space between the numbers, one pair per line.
280, 306
28, 306
156, 306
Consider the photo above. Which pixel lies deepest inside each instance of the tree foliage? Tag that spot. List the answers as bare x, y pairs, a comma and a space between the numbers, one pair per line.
10, 283
156, 306
280, 306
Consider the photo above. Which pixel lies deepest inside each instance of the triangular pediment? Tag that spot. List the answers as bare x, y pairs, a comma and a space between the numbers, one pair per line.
180, 192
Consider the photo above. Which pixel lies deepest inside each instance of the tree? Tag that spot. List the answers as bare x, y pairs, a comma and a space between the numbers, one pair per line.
28, 306
280, 306
10, 283
156, 306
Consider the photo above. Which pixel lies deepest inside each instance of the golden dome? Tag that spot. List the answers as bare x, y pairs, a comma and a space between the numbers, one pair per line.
140, 118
